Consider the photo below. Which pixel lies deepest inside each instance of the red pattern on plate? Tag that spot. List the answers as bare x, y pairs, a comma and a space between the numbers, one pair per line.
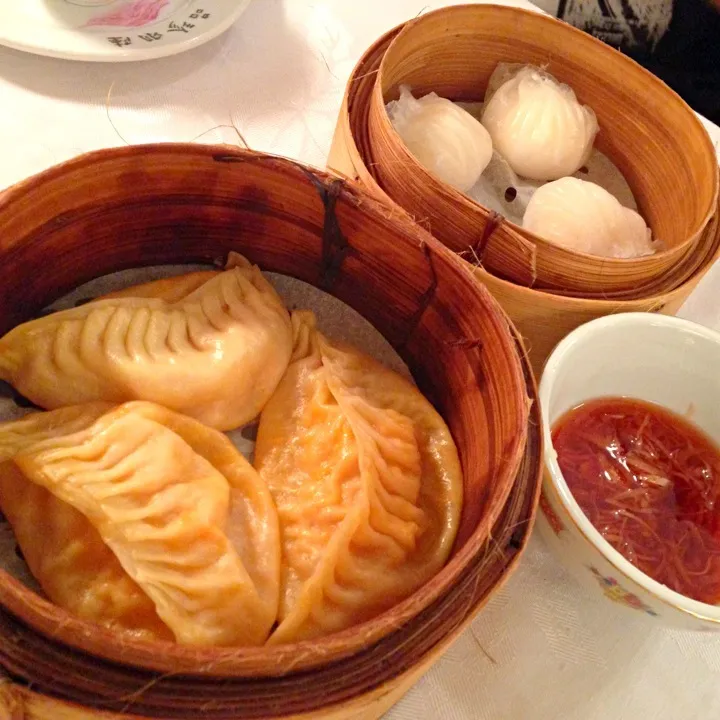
133, 14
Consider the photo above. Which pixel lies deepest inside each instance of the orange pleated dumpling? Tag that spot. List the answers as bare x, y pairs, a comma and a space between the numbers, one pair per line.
366, 480
212, 345
151, 522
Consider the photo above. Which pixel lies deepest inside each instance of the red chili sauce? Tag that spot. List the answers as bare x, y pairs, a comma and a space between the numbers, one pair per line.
649, 481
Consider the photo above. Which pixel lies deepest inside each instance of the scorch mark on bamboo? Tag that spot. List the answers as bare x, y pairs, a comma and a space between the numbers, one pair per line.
425, 299
335, 245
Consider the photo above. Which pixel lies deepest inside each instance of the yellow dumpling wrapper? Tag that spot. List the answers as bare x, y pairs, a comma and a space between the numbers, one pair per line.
210, 345
144, 520
367, 483
170, 289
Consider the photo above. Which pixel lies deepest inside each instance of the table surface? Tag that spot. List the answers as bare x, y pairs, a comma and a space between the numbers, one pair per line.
542, 648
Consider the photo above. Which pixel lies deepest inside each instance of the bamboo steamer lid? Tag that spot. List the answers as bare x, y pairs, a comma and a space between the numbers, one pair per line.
170, 204
542, 317
648, 131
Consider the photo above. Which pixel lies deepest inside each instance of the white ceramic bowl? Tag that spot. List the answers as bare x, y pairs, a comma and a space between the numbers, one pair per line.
656, 358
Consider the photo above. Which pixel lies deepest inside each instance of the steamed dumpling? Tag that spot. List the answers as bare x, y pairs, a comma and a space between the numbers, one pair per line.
537, 124
210, 345
445, 138
73, 565
584, 217
170, 289
366, 481
151, 522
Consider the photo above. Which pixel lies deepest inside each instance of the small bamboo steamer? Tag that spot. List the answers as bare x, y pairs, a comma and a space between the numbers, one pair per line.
543, 318
169, 204
648, 131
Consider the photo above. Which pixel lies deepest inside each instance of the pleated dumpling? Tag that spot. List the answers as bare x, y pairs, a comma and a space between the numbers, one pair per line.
171, 289
210, 345
366, 480
143, 520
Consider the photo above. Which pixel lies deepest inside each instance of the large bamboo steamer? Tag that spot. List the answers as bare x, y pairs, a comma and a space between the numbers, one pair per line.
542, 317
648, 131
167, 204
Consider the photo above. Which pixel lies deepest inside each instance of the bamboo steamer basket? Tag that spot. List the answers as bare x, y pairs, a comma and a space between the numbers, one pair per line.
542, 317
169, 204
648, 131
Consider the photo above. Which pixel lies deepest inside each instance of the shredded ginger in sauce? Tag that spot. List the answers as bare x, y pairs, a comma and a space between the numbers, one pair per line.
649, 481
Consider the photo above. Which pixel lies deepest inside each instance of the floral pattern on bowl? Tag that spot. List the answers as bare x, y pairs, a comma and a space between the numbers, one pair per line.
615, 592
550, 515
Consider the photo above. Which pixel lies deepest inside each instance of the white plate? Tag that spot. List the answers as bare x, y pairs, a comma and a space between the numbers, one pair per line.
114, 30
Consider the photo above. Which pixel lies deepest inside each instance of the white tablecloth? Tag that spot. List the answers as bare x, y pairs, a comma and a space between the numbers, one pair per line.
542, 649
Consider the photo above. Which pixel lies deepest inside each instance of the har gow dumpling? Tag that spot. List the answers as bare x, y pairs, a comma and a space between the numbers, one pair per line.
367, 484
445, 138
211, 345
584, 217
536, 123
151, 522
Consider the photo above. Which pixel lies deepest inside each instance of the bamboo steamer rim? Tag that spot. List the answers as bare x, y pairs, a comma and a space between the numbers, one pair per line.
678, 253
246, 662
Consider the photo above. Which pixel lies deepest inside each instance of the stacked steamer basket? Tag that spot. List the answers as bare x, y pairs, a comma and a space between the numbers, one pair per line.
169, 204
651, 136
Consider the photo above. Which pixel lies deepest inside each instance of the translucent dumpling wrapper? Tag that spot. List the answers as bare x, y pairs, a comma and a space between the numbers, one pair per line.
143, 520
583, 217
367, 483
537, 123
444, 138
210, 345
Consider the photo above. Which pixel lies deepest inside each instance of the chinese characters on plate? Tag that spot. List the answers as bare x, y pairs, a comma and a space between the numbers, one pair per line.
188, 25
